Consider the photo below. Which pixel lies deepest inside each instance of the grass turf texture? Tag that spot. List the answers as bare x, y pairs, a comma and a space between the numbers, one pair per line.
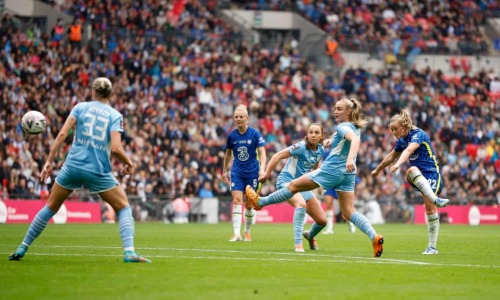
196, 261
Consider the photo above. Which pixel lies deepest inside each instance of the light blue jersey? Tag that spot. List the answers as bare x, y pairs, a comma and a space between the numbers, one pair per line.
336, 160
332, 172
302, 160
90, 150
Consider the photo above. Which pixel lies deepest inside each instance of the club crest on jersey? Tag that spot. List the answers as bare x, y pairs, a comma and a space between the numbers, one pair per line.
249, 142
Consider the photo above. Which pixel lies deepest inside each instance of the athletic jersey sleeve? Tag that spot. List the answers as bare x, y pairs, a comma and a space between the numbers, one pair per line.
343, 129
116, 122
296, 149
75, 112
229, 142
260, 140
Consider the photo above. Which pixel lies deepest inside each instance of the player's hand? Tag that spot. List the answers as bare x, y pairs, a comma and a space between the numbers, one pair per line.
127, 170
327, 142
375, 173
264, 177
225, 178
350, 166
394, 169
47, 170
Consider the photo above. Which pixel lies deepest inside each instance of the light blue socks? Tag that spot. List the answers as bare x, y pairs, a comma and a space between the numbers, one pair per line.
126, 225
280, 195
363, 224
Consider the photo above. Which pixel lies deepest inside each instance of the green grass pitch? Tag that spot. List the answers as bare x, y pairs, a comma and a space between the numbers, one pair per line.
196, 261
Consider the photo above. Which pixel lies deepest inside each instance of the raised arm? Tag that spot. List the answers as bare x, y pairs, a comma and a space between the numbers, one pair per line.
56, 146
404, 156
388, 159
273, 162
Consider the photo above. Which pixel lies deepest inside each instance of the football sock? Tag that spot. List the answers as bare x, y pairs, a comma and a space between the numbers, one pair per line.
280, 195
126, 226
363, 224
237, 219
329, 220
422, 184
433, 229
249, 215
298, 224
38, 225
315, 229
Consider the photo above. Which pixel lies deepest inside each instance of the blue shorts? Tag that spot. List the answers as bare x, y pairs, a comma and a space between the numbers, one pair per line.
306, 194
434, 179
339, 182
74, 179
239, 183
331, 192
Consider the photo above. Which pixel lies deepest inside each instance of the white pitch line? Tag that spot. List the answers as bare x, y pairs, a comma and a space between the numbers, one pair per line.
330, 258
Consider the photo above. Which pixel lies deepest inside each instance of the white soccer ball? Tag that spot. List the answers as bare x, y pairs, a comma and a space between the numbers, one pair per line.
33, 122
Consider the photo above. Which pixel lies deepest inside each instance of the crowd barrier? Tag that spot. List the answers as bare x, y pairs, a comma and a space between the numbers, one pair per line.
24, 211
213, 210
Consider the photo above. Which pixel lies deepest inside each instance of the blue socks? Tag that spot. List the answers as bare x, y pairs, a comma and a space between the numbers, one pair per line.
298, 224
363, 224
126, 225
280, 195
315, 229
37, 226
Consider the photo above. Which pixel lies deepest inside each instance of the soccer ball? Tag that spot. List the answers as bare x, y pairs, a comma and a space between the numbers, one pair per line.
33, 122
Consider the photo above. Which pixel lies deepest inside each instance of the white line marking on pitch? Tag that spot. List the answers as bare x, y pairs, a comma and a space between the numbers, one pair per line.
329, 257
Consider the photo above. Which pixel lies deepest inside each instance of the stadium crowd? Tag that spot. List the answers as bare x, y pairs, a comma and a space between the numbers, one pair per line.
396, 27
178, 71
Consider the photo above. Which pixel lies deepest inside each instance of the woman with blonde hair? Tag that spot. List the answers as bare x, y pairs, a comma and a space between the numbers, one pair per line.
414, 145
245, 151
337, 171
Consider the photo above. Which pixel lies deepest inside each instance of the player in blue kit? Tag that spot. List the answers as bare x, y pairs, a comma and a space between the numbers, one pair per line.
301, 158
97, 136
337, 171
414, 144
246, 145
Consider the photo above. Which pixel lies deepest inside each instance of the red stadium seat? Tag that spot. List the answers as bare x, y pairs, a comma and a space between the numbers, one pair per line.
466, 66
454, 64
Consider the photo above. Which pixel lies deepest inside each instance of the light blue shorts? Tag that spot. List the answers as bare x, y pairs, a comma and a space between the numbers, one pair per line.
74, 179
306, 194
339, 182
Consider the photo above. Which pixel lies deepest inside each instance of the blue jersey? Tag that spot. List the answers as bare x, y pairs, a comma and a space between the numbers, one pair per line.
424, 157
245, 151
301, 161
337, 158
90, 150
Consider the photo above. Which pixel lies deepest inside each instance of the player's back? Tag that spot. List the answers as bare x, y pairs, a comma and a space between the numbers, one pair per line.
91, 144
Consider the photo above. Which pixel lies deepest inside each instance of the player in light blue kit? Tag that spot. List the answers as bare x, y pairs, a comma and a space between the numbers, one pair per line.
329, 196
97, 136
414, 144
301, 157
338, 171
246, 145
